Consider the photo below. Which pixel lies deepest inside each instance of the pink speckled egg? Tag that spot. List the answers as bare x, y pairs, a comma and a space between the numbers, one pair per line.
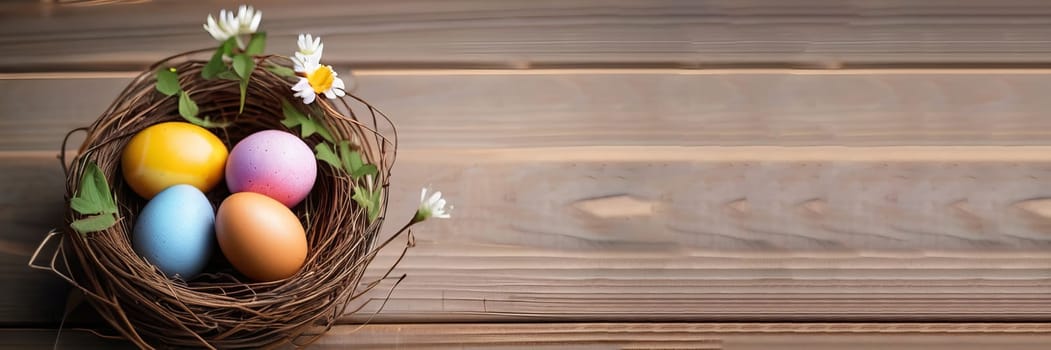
273, 163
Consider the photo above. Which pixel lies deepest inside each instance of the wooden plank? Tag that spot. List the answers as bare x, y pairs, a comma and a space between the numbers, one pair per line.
30, 199
713, 233
692, 336
562, 108
823, 33
46, 338
863, 237
697, 336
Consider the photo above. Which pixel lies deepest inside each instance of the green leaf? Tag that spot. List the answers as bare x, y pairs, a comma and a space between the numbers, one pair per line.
228, 46
322, 130
167, 81
362, 196
365, 170
105, 197
93, 198
214, 65
371, 201
377, 201
243, 65
206, 122
368, 200
307, 125
88, 198
257, 44
352, 159
344, 154
281, 71
353, 164
93, 223
324, 153
187, 108
85, 206
355, 160
228, 75
293, 116
307, 128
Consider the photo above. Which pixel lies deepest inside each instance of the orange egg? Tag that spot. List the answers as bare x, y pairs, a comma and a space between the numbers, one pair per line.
261, 237
173, 153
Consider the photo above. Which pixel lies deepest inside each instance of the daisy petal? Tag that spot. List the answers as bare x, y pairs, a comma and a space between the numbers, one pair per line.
309, 96
302, 84
255, 21
338, 88
304, 91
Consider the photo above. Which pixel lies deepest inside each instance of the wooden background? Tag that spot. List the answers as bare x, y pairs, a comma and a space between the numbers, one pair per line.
626, 174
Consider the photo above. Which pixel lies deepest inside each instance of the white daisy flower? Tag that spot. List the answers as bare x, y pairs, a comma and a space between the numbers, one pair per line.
246, 21
225, 28
315, 78
320, 79
432, 206
310, 49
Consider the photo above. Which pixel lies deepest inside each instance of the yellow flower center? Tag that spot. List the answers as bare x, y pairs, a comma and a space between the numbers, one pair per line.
321, 79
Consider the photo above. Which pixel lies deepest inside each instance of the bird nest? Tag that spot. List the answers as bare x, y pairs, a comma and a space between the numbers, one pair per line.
221, 308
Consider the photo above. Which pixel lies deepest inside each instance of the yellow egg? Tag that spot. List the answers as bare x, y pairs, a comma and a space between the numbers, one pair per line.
173, 153
260, 237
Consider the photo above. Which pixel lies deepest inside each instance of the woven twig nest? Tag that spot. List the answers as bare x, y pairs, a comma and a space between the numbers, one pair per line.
221, 308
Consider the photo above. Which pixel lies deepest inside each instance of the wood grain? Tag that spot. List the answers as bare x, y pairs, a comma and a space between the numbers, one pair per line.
30, 198
565, 108
583, 195
825, 33
696, 336
692, 336
733, 239
663, 161
777, 237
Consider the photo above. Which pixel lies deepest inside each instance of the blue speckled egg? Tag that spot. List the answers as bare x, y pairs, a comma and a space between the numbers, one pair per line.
176, 231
